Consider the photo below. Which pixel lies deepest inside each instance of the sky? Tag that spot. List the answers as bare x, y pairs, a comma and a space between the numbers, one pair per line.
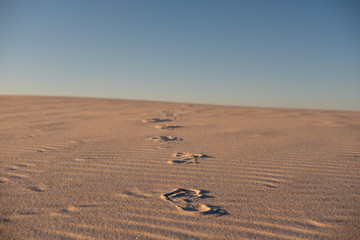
267, 53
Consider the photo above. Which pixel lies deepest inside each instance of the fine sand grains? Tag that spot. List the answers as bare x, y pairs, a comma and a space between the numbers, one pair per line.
83, 168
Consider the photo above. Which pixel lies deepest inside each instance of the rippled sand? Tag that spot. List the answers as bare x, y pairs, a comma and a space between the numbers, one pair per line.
83, 168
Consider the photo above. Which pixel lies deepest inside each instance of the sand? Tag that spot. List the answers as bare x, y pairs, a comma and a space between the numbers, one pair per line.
82, 168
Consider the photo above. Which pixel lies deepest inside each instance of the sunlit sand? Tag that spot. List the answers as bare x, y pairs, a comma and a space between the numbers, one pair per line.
83, 168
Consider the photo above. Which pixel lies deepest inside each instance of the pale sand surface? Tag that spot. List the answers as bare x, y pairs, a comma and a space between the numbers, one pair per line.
82, 168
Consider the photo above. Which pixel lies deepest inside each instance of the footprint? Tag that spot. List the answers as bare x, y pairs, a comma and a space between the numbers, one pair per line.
39, 188
184, 157
168, 127
187, 200
165, 139
153, 120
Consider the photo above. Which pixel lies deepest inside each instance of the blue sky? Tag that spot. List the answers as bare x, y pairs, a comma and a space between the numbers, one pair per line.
280, 53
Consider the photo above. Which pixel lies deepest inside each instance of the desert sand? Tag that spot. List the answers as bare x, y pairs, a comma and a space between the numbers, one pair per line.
86, 168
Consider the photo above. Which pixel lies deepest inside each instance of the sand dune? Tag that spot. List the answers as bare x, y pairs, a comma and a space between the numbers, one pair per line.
82, 168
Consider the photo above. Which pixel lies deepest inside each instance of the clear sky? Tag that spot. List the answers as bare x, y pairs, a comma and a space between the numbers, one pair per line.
271, 53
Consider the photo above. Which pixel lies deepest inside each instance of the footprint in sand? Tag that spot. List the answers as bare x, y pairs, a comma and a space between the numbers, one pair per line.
154, 120
188, 201
165, 139
184, 157
167, 127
